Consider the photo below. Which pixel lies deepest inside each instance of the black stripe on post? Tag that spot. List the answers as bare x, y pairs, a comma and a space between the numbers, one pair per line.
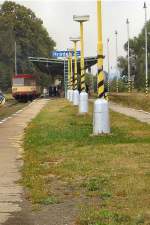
100, 57
101, 83
82, 86
99, 71
101, 95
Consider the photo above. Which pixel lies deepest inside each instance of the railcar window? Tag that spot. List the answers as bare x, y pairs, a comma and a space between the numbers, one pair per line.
18, 81
29, 82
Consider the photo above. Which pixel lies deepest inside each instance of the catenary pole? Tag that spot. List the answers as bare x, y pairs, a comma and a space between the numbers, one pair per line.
108, 65
146, 56
129, 74
117, 82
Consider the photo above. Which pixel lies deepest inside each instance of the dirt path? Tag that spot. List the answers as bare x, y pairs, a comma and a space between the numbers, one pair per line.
135, 113
11, 133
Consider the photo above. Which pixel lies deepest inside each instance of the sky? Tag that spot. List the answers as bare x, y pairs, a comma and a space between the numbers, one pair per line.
57, 16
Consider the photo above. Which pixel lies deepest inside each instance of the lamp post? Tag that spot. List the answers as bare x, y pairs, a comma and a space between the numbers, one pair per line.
75, 92
108, 61
101, 110
117, 85
83, 103
146, 58
129, 75
16, 72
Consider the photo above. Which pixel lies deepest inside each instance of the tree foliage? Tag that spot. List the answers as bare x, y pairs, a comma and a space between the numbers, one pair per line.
137, 58
19, 24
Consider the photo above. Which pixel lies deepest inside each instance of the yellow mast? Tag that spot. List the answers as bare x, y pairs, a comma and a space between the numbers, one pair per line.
100, 76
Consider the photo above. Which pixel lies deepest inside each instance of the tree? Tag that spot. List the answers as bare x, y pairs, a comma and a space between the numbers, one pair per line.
19, 24
137, 58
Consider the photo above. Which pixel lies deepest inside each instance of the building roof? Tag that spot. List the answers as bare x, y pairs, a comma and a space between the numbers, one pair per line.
56, 66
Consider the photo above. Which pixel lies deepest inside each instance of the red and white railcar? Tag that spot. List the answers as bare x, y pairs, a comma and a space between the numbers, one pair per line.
25, 88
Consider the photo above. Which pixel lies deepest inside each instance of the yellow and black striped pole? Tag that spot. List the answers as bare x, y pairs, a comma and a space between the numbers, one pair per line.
70, 70
100, 76
75, 66
70, 78
75, 77
81, 20
69, 81
101, 109
71, 74
83, 102
82, 58
75, 40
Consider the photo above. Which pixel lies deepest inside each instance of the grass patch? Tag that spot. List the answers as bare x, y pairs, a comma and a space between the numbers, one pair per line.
132, 100
112, 172
93, 216
8, 96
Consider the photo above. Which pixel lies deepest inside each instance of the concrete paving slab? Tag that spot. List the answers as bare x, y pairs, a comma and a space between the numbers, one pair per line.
135, 113
11, 135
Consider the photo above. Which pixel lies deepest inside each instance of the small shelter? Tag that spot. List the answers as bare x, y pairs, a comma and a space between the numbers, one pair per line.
58, 68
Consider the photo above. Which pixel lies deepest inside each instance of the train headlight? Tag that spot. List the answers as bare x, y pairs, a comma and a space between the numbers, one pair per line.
14, 89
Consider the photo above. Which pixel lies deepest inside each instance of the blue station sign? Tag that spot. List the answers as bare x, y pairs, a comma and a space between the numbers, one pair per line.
63, 54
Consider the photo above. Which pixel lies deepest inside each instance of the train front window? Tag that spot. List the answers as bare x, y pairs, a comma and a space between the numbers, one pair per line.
29, 82
18, 81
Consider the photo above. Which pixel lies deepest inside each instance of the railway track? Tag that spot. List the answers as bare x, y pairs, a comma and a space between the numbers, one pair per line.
11, 106
10, 102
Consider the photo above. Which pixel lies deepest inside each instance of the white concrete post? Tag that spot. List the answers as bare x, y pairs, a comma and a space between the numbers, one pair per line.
83, 103
76, 97
101, 117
